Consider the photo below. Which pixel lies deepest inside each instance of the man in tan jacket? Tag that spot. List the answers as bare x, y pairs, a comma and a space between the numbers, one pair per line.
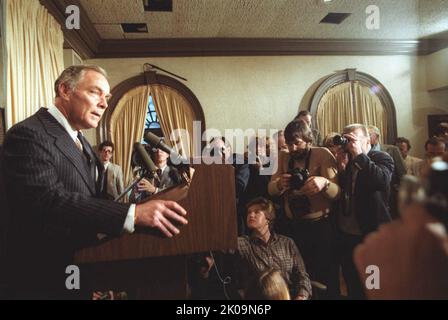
113, 178
308, 203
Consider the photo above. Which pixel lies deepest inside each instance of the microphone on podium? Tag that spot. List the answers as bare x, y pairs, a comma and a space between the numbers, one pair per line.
157, 142
145, 158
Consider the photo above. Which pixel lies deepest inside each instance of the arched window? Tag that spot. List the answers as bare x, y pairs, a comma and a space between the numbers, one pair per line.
353, 97
151, 117
153, 101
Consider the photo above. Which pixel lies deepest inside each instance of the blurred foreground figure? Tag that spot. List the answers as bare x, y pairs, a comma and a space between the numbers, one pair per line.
412, 257
412, 253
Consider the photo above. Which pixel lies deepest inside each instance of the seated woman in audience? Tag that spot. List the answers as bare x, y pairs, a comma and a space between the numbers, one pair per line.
258, 158
261, 251
264, 249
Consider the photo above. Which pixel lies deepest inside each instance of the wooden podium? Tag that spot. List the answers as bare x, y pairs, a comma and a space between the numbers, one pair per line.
154, 267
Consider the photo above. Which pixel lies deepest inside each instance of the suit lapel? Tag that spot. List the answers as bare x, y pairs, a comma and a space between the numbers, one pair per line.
67, 147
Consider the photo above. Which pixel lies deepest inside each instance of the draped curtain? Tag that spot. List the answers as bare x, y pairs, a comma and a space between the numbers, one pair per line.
128, 121
174, 112
126, 126
34, 46
347, 103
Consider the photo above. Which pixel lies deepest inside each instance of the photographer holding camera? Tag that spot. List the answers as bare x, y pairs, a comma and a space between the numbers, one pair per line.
306, 180
364, 176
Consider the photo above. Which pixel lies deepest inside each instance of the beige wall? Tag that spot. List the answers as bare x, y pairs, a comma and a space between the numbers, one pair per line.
265, 92
437, 70
2, 75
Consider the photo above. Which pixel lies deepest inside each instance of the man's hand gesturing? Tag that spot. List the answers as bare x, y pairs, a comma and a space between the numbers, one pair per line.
160, 214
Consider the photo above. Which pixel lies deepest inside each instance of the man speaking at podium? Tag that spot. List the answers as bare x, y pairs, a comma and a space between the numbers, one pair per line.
54, 182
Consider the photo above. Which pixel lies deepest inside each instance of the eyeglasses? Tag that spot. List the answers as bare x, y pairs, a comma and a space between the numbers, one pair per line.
107, 151
220, 151
297, 142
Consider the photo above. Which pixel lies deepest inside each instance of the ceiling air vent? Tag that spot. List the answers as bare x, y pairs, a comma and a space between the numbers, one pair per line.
134, 27
158, 5
335, 17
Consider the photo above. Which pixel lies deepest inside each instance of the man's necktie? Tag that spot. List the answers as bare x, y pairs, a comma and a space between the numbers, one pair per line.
158, 178
104, 186
79, 144
90, 158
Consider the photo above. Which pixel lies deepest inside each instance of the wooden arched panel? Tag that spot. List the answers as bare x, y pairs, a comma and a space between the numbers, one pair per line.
146, 78
380, 91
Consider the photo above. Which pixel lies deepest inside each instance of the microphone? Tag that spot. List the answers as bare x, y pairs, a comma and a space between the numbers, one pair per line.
158, 143
144, 156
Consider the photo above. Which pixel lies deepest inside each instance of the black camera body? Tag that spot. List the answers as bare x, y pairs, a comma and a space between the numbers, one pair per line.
299, 204
340, 140
298, 177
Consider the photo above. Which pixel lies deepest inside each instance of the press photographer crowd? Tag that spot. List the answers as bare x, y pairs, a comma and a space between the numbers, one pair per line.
342, 217
349, 219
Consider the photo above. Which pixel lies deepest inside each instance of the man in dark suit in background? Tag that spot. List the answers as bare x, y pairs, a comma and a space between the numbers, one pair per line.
54, 184
364, 176
221, 148
399, 167
167, 176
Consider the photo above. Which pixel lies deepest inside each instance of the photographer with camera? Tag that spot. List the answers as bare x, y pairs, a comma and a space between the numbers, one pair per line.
364, 176
306, 180
166, 176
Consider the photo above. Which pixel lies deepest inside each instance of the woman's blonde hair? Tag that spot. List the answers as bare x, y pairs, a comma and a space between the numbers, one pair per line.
269, 286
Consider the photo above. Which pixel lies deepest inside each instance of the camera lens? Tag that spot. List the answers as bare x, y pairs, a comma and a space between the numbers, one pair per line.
340, 140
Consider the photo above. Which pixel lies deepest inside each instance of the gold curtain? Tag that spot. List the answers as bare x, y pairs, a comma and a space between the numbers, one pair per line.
34, 46
126, 126
369, 108
350, 102
174, 112
335, 109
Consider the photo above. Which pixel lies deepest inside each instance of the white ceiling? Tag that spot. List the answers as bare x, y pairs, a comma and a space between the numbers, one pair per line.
399, 19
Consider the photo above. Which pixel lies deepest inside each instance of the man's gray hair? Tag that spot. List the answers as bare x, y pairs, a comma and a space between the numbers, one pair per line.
356, 126
374, 129
71, 76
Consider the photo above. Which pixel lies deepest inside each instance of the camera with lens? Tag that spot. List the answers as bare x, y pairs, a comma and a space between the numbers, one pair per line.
299, 204
216, 152
298, 177
430, 191
340, 140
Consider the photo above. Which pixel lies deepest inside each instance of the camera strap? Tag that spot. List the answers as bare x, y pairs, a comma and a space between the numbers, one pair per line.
307, 161
302, 205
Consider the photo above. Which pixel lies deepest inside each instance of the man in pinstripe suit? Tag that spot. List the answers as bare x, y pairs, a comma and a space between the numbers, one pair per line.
54, 181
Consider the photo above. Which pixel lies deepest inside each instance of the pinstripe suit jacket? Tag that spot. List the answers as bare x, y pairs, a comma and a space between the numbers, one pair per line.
53, 203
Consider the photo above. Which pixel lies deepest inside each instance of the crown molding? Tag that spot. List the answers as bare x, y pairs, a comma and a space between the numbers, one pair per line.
84, 41
88, 44
254, 47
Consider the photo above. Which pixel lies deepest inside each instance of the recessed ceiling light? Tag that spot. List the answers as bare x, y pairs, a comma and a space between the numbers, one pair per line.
158, 5
335, 17
135, 27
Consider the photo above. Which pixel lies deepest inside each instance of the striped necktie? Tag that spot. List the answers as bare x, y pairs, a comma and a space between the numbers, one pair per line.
90, 158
